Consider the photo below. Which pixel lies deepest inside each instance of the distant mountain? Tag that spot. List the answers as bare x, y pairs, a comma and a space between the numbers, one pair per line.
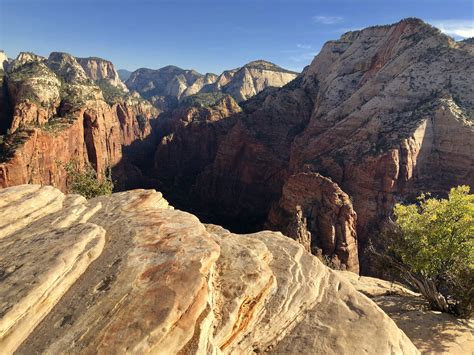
102, 71
124, 74
165, 87
251, 79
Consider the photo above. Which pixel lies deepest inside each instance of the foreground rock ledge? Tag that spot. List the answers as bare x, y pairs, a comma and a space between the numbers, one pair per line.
128, 273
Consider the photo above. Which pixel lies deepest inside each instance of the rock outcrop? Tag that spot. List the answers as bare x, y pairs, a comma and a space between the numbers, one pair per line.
54, 113
394, 116
314, 211
128, 273
165, 87
386, 113
101, 70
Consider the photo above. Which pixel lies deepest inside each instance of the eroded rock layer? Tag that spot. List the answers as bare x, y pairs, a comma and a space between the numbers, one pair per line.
128, 273
314, 211
54, 112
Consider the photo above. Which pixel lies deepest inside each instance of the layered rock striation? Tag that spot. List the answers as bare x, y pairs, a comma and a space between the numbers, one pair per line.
54, 112
128, 273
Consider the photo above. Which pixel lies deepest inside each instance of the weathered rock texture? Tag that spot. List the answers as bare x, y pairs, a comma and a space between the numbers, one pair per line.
58, 115
128, 273
165, 87
99, 69
314, 211
385, 112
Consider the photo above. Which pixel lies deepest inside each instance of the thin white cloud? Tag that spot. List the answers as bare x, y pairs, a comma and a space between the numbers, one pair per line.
456, 28
303, 57
303, 53
328, 20
303, 46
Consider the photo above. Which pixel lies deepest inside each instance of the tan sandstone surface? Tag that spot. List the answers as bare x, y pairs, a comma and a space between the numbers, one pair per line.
128, 273
432, 332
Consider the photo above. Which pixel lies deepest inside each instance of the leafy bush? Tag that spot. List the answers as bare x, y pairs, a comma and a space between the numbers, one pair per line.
86, 182
432, 245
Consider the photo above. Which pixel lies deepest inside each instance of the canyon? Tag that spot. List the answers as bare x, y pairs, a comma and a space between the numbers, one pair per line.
281, 175
379, 116
384, 113
57, 114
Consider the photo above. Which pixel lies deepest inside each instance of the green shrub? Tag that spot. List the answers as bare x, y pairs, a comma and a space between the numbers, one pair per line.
86, 182
432, 245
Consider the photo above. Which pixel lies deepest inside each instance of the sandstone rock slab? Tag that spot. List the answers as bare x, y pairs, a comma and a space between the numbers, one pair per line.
127, 273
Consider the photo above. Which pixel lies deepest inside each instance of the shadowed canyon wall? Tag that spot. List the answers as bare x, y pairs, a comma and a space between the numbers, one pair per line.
385, 113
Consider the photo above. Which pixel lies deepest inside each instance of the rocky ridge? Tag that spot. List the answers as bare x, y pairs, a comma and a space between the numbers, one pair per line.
165, 87
128, 273
251, 79
100, 70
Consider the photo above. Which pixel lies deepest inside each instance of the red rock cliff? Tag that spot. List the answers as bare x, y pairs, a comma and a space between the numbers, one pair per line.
67, 121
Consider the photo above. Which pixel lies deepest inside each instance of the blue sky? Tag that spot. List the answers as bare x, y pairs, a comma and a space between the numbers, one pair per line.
207, 35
